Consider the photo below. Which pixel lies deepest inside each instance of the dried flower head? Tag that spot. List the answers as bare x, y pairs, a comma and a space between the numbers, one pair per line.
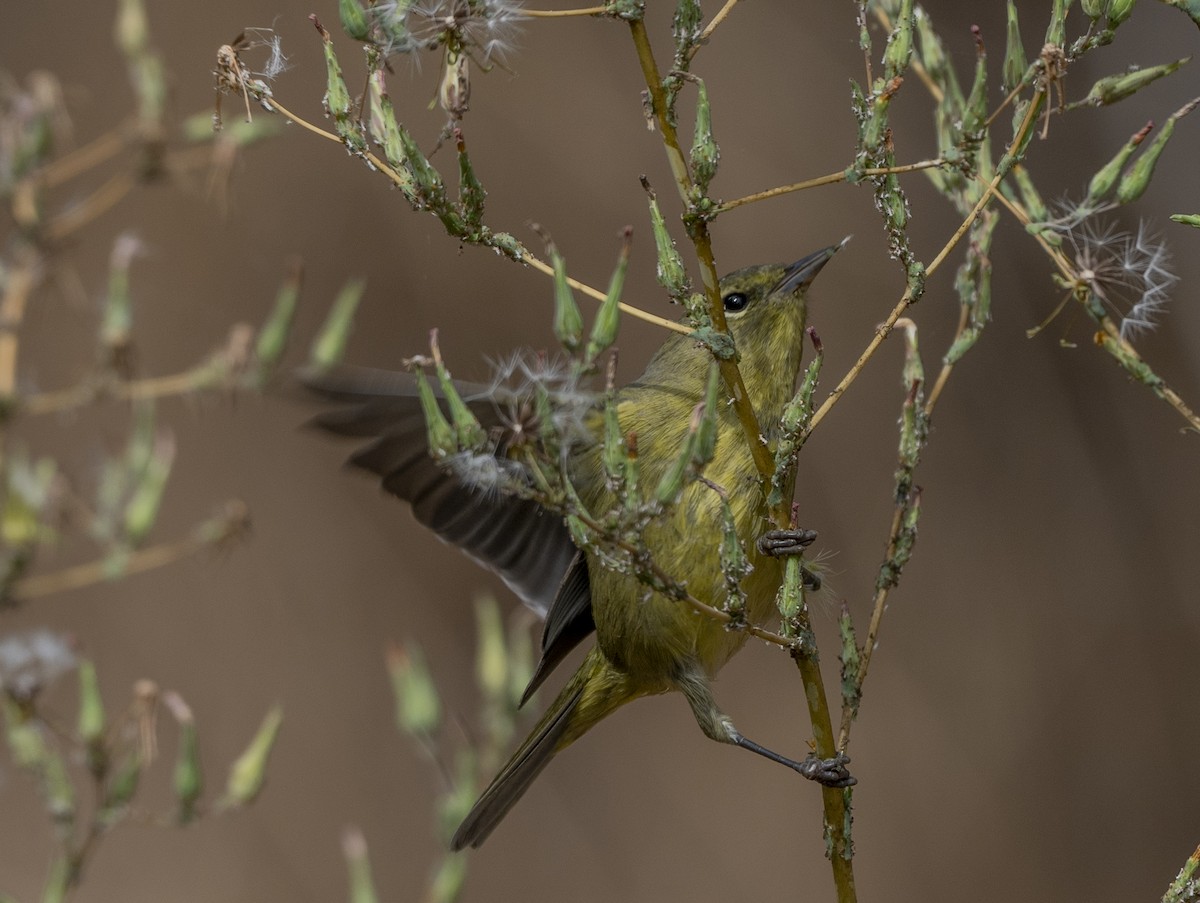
483, 29
1128, 272
527, 383
31, 660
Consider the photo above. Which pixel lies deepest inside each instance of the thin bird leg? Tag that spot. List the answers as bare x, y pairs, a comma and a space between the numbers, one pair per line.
718, 726
780, 543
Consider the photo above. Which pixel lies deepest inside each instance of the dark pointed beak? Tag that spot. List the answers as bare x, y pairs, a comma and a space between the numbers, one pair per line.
799, 275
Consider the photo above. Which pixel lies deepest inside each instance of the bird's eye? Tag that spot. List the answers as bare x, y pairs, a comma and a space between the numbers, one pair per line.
735, 301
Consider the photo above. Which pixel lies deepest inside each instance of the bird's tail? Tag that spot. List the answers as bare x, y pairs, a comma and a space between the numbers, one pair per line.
593, 692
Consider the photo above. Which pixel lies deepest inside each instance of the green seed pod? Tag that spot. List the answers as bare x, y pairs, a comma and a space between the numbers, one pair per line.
1094, 9
141, 510
188, 779
122, 786
491, 660
249, 772
471, 194
354, 19
469, 434
604, 327
1016, 64
92, 721
790, 598
706, 435
1030, 196
671, 484
389, 133
1056, 31
1117, 87
705, 152
330, 344
899, 46
1119, 11
337, 100
358, 865
1137, 178
273, 336
132, 30
418, 708
1106, 177
734, 563
568, 321
615, 449
440, 435
670, 271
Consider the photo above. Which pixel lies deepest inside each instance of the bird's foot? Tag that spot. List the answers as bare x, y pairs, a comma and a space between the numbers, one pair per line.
827, 772
781, 543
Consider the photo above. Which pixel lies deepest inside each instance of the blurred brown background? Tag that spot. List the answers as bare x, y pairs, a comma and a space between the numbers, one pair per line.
1030, 726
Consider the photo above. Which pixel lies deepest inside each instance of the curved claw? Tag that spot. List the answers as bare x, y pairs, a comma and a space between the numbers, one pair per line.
779, 543
827, 772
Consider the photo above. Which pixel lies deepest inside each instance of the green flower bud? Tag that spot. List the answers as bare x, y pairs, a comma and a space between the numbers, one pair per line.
354, 19
390, 134
249, 772
670, 271
1016, 64
92, 721
440, 435
188, 779
418, 708
604, 327
1137, 178
471, 194
141, 510
568, 321
1117, 87
337, 100
1104, 180
1056, 31
615, 450
705, 446
1119, 11
330, 344
468, 432
122, 786
272, 338
362, 885
899, 46
705, 152
671, 484
132, 29
491, 661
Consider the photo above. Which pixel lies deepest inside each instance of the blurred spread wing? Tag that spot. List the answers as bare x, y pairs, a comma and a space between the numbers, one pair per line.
568, 622
526, 545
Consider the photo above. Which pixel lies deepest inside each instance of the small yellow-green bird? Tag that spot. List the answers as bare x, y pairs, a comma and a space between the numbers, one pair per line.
646, 643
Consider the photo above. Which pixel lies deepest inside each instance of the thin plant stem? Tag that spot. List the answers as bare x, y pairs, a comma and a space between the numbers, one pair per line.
712, 26
698, 232
885, 329
99, 201
135, 562
121, 390
830, 179
563, 13
98, 150
527, 257
21, 281
878, 607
